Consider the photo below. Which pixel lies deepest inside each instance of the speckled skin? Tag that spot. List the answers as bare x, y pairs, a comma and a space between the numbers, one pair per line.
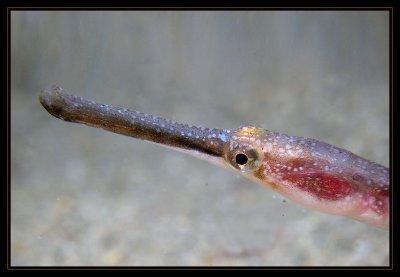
310, 172
316, 174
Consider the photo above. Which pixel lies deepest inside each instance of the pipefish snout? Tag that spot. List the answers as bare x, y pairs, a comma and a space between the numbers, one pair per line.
312, 173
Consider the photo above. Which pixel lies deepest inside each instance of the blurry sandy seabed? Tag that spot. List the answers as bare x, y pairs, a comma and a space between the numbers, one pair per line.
82, 196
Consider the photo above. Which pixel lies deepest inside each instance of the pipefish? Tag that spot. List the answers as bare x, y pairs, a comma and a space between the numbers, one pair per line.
307, 171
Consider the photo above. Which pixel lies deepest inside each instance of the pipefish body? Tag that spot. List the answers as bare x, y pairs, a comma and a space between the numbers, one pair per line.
313, 173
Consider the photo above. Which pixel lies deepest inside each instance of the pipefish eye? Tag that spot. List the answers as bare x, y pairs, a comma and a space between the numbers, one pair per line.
244, 158
241, 159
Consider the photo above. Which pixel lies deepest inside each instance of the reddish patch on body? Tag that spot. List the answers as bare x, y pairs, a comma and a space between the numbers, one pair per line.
321, 185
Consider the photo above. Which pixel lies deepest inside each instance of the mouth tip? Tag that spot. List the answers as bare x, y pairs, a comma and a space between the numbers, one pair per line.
49, 97
47, 94
45, 99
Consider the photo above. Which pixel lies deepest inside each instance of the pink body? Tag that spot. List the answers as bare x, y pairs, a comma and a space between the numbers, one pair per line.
318, 175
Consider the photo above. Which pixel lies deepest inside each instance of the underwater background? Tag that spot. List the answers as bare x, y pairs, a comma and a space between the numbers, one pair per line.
83, 196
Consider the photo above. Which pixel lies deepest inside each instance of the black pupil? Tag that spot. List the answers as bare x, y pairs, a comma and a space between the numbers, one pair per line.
241, 159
